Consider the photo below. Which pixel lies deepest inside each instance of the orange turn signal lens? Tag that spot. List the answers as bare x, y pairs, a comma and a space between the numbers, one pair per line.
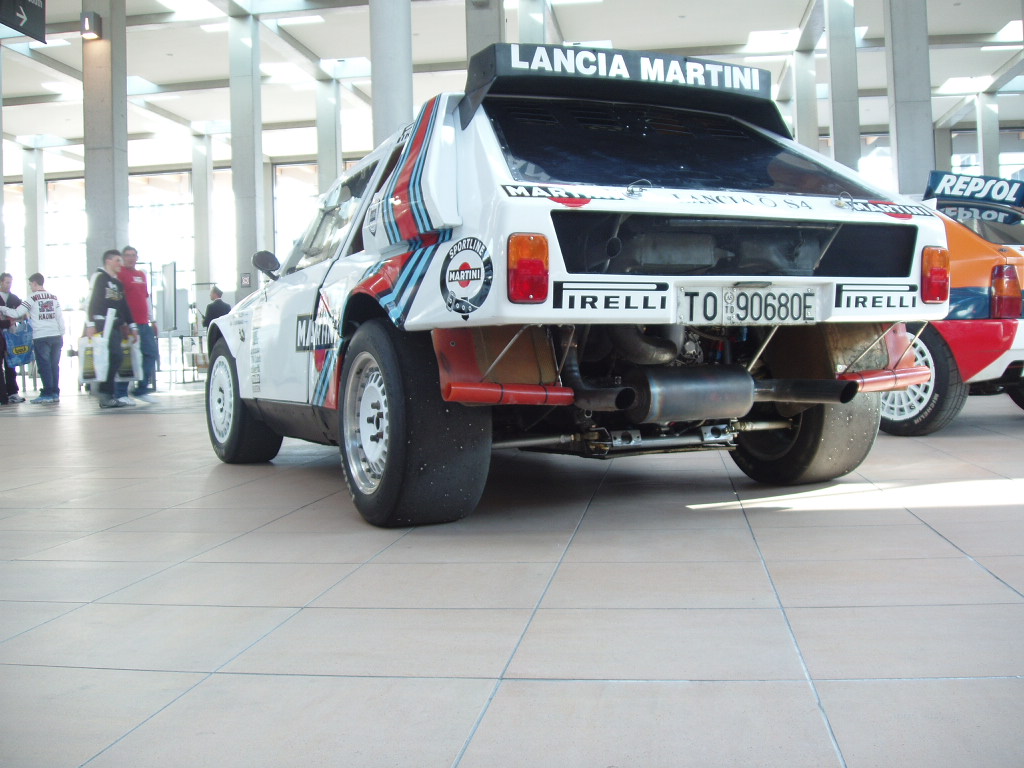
935, 275
1006, 293
528, 270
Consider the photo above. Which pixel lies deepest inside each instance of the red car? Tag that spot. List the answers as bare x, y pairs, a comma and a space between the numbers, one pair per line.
978, 349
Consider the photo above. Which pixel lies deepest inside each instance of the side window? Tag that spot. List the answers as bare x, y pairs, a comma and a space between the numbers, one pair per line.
328, 232
385, 179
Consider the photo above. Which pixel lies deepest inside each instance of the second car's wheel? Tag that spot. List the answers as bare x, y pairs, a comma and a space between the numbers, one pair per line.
824, 442
237, 437
925, 408
410, 458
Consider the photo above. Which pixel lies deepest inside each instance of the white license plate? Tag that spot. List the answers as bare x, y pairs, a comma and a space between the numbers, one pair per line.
740, 305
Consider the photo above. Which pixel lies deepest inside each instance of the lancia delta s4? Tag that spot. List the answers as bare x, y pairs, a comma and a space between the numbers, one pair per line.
589, 252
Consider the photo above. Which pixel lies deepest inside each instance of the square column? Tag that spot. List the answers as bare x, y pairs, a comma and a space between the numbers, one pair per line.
485, 24
910, 93
844, 101
246, 145
391, 62
105, 106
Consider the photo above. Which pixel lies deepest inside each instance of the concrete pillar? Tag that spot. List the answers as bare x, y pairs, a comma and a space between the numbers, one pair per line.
910, 98
268, 206
105, 107
987, 110
844, 105
246, 147
3, 239
532, 18
805, 99
943, 149
485, 24
202, 204
33, 178
391, 62
328, 132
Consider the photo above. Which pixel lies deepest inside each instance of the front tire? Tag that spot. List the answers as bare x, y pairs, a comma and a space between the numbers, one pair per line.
236, 435
825, 442
925, 408
410, 458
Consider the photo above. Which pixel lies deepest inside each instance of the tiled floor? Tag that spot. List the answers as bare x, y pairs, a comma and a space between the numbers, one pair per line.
159, 608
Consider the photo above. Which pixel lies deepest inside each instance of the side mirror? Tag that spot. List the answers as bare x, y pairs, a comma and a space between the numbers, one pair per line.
267, 263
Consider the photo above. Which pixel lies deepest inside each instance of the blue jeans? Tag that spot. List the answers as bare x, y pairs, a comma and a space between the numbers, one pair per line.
150, 355
48, 349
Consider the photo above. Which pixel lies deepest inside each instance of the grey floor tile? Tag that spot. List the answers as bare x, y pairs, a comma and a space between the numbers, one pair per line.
18, 617
576, 724
77, 582
246, 721
644, 644
949, 723
60, 717
443, 545
1010, 570
654, 546
649, 611
911, 641
129, 546
280, 585
263, 547
441, 585
919, 581
661, 585
143, 637
867, 542
388, 642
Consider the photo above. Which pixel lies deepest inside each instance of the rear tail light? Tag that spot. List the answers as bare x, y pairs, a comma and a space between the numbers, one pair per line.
935, 275
1006, 294
528, 269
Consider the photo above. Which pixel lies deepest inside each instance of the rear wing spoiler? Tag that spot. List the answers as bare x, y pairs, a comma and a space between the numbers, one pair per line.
623, 76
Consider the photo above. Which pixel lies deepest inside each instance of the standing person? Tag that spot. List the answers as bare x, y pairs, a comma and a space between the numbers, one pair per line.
216, 308
108, 293
136, 291
46, 319
9, 300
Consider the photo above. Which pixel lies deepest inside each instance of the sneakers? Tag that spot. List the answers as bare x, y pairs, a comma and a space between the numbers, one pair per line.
111, 402
43, 399
16, 399
125, 401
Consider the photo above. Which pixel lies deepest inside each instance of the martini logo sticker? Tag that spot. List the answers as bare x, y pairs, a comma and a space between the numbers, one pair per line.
466, 276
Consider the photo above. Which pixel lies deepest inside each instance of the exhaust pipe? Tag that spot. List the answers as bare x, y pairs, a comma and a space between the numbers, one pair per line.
723, 392
591, 398
690, 394
804, 391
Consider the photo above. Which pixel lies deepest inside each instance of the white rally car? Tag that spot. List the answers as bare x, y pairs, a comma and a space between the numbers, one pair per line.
598, 253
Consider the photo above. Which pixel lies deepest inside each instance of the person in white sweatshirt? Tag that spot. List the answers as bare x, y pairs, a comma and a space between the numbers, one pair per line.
47, 321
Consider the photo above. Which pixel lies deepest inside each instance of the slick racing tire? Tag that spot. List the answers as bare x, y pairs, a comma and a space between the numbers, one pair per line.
237, 436
823, 443
925, 408
410, 458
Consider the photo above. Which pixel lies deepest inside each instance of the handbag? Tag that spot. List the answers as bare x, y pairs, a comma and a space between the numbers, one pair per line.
19, 344
131, 361
94, 357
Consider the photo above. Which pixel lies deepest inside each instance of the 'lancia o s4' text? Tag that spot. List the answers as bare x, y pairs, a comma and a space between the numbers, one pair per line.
597, 253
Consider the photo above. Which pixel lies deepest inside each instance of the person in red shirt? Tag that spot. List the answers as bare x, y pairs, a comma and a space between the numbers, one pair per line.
136, 289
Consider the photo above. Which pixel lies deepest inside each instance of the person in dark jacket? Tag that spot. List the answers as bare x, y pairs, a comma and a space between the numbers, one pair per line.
216, 308
9, 386
108, 293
